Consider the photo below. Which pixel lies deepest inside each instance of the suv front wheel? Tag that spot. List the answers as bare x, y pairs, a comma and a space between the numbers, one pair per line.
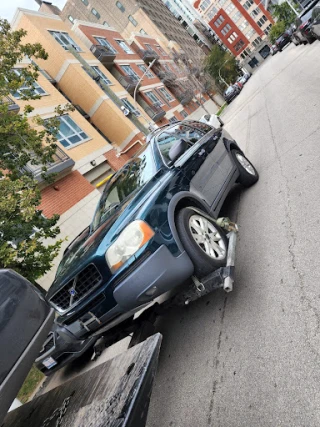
204, 241
248, 174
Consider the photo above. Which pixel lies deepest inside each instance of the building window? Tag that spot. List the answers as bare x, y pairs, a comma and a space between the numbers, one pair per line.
105, 23
103, 42
226, 29
230, 8
221, 2
266, 31
69, 132
25, 90
132, 20
103, 77
166, 95
64, 40
212, 12
120, 6
255, 12
232, 38
153, 98
205, 4
236, 16
142, 31
243, 25
95, 13
184, 114
257, 41
129, 72
250, 33
173, 120
147, 72
162, 52
248, 4
130, 107
85, 2
71, 19
219, 21
124, 47
238, 46
261, 21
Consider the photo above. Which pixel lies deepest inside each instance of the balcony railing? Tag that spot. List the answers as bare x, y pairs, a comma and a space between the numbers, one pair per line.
148, 55
185, 97
168, 78
12, 106
60, 162
128, 82
105, 55
155, 112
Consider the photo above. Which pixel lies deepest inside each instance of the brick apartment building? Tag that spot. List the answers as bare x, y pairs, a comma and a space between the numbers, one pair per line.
127, 16
242, 26
128, 62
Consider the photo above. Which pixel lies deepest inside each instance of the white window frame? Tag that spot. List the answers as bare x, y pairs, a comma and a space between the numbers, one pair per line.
168, 97
126, 49
162, 51
212, 13
158, 102
205, 4
56, 35
148, 73
77, 132
102, 76
102, 41
95, 13
35, 88
131, 107
120, 6
133, 21
131, 72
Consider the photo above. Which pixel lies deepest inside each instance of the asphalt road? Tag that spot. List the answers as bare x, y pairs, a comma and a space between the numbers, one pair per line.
251, 358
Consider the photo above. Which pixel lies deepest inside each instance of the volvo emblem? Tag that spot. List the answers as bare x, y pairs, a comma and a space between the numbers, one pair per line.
72, 292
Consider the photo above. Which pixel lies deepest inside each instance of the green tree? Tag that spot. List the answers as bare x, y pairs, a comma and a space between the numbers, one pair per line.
283, 12
276, 30
23, 228
222, 66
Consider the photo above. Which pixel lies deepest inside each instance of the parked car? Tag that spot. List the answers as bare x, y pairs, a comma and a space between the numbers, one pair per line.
230, 93
145, 238
247, 76
212, 120
239, 84
242, 80
25, 320
315, 26
274, 49
304, 23
283, 40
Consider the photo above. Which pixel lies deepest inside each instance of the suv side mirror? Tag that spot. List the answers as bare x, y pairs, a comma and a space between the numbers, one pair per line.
178, 148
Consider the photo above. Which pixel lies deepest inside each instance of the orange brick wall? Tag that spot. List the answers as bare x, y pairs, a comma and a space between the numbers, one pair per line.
69, 191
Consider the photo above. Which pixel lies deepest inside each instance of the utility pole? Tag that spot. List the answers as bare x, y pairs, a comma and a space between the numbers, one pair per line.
117, 101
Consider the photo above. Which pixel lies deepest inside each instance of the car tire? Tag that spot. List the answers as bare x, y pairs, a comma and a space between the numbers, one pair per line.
204, 241
248, 173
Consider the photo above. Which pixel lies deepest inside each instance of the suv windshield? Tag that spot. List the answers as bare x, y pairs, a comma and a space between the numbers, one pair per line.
129, 179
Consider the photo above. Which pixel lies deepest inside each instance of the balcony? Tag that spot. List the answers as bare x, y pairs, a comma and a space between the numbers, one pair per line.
12, 106
155, 113
61, 162
168, 78
185, 97
104, 54
129, 83
148, 55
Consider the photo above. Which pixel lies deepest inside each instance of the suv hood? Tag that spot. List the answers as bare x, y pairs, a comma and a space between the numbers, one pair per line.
88, 245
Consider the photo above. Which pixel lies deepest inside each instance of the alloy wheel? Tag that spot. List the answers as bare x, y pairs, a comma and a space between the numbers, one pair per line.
245, 164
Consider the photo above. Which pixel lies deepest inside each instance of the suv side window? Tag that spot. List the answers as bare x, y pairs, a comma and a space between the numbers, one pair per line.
168, 137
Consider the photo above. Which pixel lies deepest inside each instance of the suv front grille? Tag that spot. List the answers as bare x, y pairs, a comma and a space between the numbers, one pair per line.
77, 288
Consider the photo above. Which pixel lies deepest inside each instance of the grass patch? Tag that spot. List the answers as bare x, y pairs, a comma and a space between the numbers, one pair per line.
30, 384
221, 109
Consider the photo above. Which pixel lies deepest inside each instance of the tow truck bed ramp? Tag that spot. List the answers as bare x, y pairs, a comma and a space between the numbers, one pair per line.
114, 394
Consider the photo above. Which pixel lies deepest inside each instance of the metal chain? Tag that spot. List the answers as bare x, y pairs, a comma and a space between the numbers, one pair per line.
57, 413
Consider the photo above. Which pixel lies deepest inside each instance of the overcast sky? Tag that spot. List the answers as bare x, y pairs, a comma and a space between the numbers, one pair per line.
8, 7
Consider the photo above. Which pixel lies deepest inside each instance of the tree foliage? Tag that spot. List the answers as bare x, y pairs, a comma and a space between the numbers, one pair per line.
222, 66
276, 30
23, 228
283, 12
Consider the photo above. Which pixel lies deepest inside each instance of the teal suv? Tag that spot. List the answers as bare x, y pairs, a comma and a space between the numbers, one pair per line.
145, 238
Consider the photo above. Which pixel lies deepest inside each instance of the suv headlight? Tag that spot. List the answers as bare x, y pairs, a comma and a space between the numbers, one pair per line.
132, 238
